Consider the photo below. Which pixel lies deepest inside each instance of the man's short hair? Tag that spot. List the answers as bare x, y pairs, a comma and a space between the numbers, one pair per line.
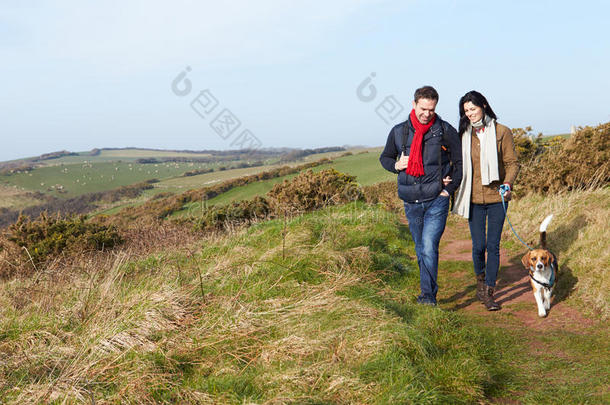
426, 92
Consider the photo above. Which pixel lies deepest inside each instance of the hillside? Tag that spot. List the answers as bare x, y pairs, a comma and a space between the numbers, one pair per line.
281, 287
329, 317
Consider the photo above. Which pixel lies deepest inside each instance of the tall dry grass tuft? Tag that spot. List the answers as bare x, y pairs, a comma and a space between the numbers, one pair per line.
578, 234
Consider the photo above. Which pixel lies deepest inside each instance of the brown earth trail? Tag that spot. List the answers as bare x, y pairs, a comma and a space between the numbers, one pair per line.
513, 289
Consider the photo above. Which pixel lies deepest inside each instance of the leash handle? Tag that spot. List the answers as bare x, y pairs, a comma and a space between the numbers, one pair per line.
502, 190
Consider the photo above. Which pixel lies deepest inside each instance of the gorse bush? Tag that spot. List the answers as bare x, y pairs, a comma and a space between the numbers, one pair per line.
582, 161
527, 145
235, 213
309, 191
51, 235
306, 192
384, 193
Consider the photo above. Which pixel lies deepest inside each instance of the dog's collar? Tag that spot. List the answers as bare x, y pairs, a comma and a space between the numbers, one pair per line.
551, 281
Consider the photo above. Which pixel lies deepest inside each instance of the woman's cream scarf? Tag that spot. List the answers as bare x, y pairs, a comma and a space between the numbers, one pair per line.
489, 164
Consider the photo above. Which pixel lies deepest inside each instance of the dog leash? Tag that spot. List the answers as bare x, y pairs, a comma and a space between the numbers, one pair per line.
503, 189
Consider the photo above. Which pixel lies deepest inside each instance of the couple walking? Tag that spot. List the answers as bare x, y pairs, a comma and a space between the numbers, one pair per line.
433, 161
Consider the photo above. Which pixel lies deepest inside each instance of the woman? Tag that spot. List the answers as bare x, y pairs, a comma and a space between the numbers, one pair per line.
489, 160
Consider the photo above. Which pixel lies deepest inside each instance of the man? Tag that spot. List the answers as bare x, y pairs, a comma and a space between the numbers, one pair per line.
429, 151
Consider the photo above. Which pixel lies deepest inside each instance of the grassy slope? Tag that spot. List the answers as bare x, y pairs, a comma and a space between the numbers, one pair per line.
202, 180
232, 321
14, 197
365, 166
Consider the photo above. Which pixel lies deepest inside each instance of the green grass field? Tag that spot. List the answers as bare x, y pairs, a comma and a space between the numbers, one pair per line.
365, 166
71, 176
77, 179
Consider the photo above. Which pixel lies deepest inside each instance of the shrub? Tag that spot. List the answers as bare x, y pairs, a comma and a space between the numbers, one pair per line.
50, 236
309, 191
306, 192
197, 171
235, 213
526, 144
582, 161
384, 193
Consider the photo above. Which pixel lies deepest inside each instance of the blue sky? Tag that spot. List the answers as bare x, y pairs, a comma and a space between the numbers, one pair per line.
79, 75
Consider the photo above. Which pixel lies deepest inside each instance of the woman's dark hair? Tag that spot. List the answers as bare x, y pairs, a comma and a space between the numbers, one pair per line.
477, 99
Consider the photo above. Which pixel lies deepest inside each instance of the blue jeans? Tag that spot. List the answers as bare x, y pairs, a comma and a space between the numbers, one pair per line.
427, 222
494, 215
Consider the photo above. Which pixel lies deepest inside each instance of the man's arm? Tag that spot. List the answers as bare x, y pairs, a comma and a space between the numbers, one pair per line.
455, 154
389, 154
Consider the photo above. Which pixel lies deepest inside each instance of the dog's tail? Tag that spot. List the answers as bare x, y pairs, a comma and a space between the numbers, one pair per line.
543, 227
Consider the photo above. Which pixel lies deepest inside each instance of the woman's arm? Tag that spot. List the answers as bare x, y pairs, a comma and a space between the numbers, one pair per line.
509, 157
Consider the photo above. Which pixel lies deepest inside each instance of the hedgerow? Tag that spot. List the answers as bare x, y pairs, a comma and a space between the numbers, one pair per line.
579, 162
48, 236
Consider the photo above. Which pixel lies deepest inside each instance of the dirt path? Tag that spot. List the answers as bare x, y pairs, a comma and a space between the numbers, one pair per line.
513, 290
562, 358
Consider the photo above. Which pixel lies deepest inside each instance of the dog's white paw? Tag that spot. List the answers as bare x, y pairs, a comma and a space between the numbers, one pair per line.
542, 314
547, 305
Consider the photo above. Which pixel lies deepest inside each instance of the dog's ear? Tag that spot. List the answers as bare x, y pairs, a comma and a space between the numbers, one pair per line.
526, 260
554, 261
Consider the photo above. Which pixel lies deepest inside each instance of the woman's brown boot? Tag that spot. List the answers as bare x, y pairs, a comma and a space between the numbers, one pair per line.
481, 287
489, 302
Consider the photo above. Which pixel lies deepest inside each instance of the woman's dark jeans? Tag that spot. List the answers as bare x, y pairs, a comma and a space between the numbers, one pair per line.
493, 214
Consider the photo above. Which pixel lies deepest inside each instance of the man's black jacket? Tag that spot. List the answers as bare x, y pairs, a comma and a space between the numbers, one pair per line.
441, 154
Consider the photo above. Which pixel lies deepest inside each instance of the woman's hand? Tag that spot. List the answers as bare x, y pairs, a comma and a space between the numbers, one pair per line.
507, 191
446, 180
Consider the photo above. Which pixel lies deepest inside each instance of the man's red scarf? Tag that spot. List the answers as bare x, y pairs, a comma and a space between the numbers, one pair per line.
415, 167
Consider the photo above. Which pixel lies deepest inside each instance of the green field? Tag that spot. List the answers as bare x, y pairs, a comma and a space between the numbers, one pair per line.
71, 176
65, 179
69, 180
365, 166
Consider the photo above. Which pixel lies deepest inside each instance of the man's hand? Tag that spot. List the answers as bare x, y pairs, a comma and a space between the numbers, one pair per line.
444, 193
446, 180
402, 163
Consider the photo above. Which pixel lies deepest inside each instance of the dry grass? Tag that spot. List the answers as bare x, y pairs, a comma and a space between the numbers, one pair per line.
226, 320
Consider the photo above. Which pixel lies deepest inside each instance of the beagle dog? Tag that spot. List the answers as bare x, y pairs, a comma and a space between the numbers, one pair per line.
542, 267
